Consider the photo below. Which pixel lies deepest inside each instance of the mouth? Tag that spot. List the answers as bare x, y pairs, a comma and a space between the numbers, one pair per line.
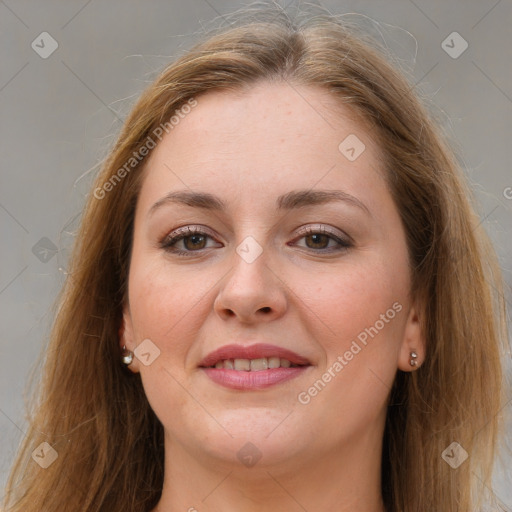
253, 367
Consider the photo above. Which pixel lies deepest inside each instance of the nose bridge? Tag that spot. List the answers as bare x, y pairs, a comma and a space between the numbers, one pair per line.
251, 286
250, 250
250, 266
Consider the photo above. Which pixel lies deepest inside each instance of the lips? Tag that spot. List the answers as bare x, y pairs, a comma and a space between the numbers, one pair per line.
252, 352
253, 368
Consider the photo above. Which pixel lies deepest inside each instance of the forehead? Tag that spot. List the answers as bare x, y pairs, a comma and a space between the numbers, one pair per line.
269, 137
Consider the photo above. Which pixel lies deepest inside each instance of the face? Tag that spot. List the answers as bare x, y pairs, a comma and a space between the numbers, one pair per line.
307, 254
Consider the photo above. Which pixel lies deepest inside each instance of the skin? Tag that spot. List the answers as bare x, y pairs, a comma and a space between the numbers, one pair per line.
248, 148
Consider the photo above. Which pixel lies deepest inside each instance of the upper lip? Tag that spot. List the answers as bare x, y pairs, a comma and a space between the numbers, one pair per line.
256, 351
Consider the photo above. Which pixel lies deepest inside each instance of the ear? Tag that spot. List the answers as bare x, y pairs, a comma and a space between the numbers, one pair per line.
413, 343
127, 338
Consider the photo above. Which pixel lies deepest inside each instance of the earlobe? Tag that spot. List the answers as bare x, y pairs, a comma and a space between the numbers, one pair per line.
126, 342
413, 349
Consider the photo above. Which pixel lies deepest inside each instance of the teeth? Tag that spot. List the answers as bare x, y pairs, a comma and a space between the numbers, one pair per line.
242, 364
259, 364
254, 365
274, 362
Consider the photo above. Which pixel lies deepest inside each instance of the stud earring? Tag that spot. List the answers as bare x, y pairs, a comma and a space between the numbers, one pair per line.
413, 361
126, 356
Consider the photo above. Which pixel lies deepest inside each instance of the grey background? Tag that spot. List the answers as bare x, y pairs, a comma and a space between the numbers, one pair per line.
59, 115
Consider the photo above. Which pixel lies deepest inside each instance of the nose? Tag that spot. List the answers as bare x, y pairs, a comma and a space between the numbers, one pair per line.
251, 292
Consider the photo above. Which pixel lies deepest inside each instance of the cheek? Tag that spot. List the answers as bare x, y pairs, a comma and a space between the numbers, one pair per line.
163, 306
363, 313
345, 302
358, 318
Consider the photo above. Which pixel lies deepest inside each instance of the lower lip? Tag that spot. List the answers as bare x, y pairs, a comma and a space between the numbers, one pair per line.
262, 379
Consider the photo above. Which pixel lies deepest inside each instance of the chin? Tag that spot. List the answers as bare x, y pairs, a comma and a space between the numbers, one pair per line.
256, 434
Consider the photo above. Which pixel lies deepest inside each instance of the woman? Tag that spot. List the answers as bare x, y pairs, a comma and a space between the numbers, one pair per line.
280, 298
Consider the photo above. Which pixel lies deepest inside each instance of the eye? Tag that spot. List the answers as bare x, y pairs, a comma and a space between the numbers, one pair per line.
318, 238
192, 238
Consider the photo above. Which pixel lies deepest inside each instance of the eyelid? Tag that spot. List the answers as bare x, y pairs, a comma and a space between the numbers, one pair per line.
327, 230
343, 240
189, 229
307, 229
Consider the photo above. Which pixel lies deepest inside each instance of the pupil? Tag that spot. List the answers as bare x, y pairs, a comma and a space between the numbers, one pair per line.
195, 239
317, 239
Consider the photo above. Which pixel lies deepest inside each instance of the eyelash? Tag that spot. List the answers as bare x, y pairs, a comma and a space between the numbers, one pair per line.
180, 234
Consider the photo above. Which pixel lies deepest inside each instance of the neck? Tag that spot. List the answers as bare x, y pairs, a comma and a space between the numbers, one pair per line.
343, 480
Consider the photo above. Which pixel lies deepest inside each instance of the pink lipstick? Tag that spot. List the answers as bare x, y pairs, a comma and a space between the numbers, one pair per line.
253, 367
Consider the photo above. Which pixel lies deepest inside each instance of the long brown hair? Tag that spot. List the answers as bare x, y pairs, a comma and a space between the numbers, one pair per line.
94, 413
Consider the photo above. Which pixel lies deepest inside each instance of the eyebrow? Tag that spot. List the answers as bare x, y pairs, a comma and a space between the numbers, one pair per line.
292, 200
